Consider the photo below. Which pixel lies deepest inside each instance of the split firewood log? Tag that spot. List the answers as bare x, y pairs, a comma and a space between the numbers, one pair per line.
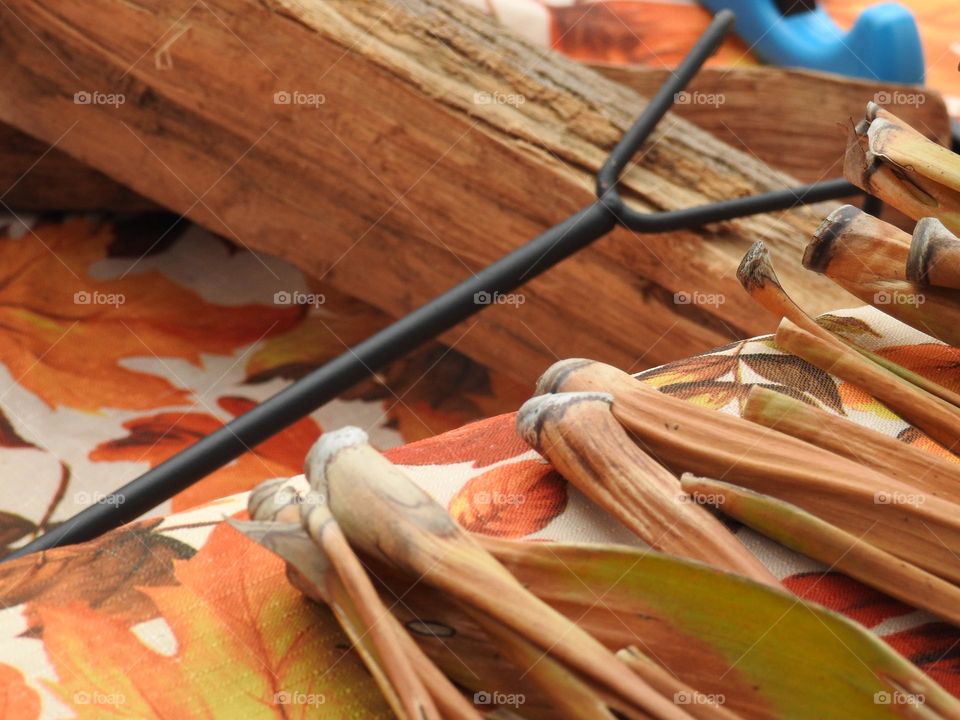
35, 177
393, 148
751, 108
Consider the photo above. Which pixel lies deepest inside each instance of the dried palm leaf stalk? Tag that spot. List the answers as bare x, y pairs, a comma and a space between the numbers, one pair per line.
934, 255
898, 142
757, 651
798, 530
385, 515
579, 435
889, 159
759, 279
571, 695
325, 568
917, 527
877, 274
278, 509
882, 179
275, 507
854, 246
918, 468
939, 419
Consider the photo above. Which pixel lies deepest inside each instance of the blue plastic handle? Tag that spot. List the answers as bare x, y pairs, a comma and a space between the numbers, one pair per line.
883, 45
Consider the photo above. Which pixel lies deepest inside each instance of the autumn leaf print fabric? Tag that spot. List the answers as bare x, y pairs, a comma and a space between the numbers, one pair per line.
183, 617
123, 342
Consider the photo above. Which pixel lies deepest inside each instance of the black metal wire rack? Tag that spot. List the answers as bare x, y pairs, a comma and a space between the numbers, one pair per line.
440, 314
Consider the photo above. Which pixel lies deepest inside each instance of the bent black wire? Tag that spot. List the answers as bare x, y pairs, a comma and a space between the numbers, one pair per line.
437, 316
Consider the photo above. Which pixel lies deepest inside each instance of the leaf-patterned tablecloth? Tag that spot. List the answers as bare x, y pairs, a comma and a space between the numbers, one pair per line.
181, 616
112, 360
124, 340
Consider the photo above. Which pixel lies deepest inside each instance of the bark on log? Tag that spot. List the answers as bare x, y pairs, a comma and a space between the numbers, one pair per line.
35, 178
755, 105
407, 177
794, 120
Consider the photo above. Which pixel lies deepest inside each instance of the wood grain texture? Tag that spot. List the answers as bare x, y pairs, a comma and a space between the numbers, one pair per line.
37, 177
404, 180
794, 120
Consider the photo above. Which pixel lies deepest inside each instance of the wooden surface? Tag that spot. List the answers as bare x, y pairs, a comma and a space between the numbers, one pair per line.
795, 120
403, 181
751, 110
36, 177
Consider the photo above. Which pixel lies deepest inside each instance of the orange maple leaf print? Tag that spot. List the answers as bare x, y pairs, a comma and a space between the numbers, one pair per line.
245, 644
481, 443
63, 333
17, 699
934, 361
511, 500
155, 438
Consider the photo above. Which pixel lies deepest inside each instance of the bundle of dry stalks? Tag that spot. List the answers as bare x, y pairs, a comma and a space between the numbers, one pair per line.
878, 263
584, 631
579, 435
919, 527
364, 539
615, 632
891, 160
759, 279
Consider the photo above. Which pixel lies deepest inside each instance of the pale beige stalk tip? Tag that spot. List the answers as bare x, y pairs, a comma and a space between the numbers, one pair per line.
532, 413
554, 375
324, 450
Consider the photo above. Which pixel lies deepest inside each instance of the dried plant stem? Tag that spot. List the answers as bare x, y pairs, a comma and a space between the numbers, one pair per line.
869, 258
449, 701
578, 699
324, 568
385, 514
852, 245
889, 159
910, 465
581, 438
278, 502
798, 530
416, 702
934, 255
668, 685
922, 529
884, 181
275, 506
697, 621
759, 279
893, 139
939, 419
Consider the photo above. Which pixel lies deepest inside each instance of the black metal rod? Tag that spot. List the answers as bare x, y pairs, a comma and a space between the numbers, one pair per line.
609, 176
325, 383
667, 221
659, 105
